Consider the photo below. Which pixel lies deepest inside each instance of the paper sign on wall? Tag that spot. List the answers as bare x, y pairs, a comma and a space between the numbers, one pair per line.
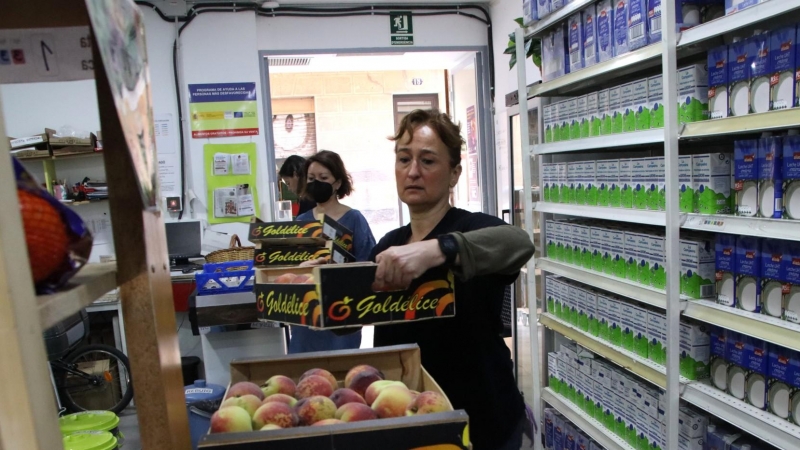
46, 54
223, 110
231, 182
169, 158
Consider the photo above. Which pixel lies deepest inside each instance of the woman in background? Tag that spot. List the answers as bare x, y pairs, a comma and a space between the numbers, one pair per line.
293, 174
327, 181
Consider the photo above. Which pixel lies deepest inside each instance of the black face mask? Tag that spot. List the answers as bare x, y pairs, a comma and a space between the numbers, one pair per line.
319, 191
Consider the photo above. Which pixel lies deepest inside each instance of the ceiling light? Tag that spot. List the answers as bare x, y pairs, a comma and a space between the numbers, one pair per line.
270, 5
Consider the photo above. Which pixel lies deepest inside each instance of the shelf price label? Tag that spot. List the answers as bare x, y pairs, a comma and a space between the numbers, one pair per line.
713, 223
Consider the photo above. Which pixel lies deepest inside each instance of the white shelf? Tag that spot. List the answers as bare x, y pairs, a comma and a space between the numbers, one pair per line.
767, 328
643, 367
761, 424
751, 123
603, 281
599, 73
749, 226
90, 283
561, 14
598, 212
751, 16
602, 142
593, 428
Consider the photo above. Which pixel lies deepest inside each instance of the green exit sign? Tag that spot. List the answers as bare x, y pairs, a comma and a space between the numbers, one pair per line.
400, 22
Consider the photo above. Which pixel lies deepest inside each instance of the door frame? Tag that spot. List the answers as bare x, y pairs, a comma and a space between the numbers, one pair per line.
487, 174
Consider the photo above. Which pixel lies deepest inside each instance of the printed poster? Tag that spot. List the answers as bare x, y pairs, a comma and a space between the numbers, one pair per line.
223, 110
231, 182
169, 158
473, 189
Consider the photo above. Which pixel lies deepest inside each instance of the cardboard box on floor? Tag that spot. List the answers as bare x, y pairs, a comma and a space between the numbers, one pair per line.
403, 362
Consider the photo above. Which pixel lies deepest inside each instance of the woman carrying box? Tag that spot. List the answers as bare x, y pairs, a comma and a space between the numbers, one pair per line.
327, 181
465, 354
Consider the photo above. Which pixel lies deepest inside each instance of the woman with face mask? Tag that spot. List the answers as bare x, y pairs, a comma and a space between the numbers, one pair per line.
327, 181
293, 174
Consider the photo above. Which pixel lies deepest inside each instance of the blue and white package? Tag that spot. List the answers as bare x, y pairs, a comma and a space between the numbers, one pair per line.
759, 74
771, 277
718, 82
732, 6
740, 58
549, 415
725, 250
745, 177
554, 54
621, 27
529, 11
791, 177
654, 19
589, 17
747, 284
604, 13
543, 8
747, 377
770, 180
784, 383
637, 24
782, 61
575, 41
797, 70
557, 4
791, 289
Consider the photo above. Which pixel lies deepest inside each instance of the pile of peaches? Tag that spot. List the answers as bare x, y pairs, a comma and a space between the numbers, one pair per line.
317, 400
291, 278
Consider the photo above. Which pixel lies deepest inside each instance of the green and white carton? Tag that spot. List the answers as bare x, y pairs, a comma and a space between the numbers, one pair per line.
657, 336
577, 244
584, 237
639, 180
632, 256
640, 343
574, 118
550, 293
686, 190
644, 267
558, 234
592, 312
628, 331
662, 184
581, 300
572, 181
611, 180
589, 176
615, 108
579, 190
616, 247
593, 111
563, 183
562, 292
627, 106
548, 123
658, 262
604, 111
555, 121
596, 245
603, 317
695, 351
692, 93
584, 117
698, 271
572, 303
711, 180
567, 238
571, 382
615, 321
625, 185
563, 120
547, 169
550, 239
605, 236
602, 177
655, 100
641, 105
656, 179
552, 372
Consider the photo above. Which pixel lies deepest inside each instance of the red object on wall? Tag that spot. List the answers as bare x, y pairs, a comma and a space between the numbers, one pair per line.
181, 290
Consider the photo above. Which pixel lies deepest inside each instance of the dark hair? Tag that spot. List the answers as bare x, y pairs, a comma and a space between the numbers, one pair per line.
333, 162
449, 133
295, 165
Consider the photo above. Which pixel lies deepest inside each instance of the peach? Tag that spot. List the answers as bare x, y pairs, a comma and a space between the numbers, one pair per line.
270, 426
282, 398
300, 279
249, 403
276, 413
322, 423
393, 401
313, 409
428, 402
344, 396
355, 412
313, 385
310, 280
231, 419
244, 388
286, 278
360, 369
375, 388
362, 380
321, 373
278, 384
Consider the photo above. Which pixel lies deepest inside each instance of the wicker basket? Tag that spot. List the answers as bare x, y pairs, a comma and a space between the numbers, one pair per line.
235, 253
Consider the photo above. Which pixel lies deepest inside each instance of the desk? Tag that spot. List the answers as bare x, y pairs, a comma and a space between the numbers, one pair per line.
182, 287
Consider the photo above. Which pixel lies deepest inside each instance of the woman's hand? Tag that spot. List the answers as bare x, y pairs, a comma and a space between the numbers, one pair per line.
315, 262
399, 266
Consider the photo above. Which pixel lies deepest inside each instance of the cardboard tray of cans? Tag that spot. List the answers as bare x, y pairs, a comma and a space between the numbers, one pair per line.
447, 430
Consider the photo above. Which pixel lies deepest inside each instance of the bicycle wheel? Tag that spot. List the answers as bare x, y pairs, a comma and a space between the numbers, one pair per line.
96, 377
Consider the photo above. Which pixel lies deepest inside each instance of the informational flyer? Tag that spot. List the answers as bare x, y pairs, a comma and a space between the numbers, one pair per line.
231, 182
223, 110
169, 158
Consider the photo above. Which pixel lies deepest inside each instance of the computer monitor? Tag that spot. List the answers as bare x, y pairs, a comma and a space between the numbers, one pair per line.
183, 242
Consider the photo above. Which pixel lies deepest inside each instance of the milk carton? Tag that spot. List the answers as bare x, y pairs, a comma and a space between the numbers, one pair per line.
579, 186
621, 27
658, 262
637, 24
605, 237
692, 93
695, 351
740, 59
572, 180
657, 336
605, 113
627, 106
718, 82
711, 180
698, 272
603, 317
615, 108
655, 176
771, 277
747, 283
543, 8
718, 359
643, 267
613, 184
548, 123
692, 424
529, 13
791, 176
549, 416
554, 54
563, 183
791, 289
641, 344
549, 229
604, 10
718, 437
632, 256
746, 170
797, 71
783, 61
784, 383
575, 36
732, 6
747, 376
589, 175
582, 117
760, 73
686, 192
725, 261
563, 120
655, 101
558, 229
641, 106
770, 177
548, 179
574, 118
593, 115
573, 294
616, 246
589, 36
596, 245
584, 256
571, 247
639, 181
615, 320
607, 180
626, 186
592, 312
550, 293
558, 431
654, 19
628, 331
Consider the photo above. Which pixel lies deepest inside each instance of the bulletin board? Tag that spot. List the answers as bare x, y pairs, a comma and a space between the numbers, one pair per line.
231, 182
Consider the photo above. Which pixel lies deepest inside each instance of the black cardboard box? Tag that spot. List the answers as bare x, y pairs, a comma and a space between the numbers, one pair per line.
267, 255
287, 233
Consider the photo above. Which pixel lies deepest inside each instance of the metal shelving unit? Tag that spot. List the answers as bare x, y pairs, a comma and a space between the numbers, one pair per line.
91, 283
665, 54
595, 429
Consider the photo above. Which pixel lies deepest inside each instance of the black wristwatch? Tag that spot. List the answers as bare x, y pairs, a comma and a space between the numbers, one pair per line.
449, 247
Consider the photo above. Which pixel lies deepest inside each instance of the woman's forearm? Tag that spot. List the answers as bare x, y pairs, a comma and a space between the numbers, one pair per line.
495, 250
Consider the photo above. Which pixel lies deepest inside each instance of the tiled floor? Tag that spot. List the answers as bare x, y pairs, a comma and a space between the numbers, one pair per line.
129, 427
